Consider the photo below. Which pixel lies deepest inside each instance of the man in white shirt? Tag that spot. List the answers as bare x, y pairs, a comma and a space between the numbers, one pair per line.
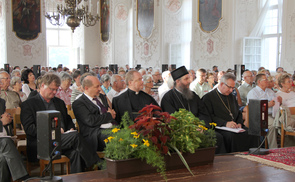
261, 92
117, 87
199, 85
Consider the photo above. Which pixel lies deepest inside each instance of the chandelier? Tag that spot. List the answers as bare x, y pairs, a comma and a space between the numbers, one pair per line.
71, 12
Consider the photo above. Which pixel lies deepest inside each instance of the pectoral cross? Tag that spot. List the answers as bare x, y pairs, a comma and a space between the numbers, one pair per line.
231, 115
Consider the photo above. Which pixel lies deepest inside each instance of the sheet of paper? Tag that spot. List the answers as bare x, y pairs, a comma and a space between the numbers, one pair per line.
235, 130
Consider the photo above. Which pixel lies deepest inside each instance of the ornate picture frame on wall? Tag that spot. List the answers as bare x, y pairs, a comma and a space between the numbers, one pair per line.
26, 16
145, 17
209, 15
105, 20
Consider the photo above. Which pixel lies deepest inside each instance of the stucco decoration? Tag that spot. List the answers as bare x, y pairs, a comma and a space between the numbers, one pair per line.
245, 10
27, 50
1, 9
173, 6
147, 51
210, 45
289, 62
121, 12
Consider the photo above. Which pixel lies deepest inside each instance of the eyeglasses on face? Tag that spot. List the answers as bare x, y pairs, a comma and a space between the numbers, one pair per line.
229, 86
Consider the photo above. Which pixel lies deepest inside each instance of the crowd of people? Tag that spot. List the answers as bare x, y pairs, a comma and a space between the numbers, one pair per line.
100, 98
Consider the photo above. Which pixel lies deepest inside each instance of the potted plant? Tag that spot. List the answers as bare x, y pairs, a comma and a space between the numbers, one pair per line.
152, 138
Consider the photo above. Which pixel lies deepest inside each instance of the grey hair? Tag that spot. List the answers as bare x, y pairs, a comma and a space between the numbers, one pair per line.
156, 70
14, 71
114, 78
65, 76
14, 80
146, 77
43, 72
141, 71
105, 78
227, 76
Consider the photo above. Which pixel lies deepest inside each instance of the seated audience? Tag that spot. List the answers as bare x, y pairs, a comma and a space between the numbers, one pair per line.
261, 92
106, 83
192, 75
64, 92
15, 73
280, 70
200, 86
38, 83
28, 78
246, 86
76, 77
92, 112
16, 85
286, 92
167, 84
182, 97
118, 85
148, 85
223, 109
11, 98
134, 99
72, 143
210, 80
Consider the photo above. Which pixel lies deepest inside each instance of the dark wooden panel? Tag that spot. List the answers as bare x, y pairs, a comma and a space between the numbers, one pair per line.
224, 168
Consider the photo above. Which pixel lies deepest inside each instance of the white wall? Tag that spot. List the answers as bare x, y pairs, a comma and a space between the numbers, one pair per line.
238, 19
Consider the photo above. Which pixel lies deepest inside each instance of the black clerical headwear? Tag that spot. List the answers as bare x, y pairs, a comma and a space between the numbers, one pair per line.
179, 72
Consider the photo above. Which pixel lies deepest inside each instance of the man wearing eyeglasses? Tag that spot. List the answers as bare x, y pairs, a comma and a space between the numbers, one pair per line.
261, 92
224, 110
245, 88
11, 98
72, 143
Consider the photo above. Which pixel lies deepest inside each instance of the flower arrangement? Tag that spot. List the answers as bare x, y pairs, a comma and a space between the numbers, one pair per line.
157, 133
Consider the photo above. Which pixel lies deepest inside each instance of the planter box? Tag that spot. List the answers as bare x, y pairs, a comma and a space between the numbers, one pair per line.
133, 167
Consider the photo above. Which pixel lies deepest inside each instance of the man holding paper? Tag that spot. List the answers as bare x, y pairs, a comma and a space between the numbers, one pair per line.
224, 110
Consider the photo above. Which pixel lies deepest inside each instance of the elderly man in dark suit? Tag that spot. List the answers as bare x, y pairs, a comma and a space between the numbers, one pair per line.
93, 112
134, 99
73, 145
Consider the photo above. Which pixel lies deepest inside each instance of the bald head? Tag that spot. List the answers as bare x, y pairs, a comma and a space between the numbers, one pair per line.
91, 86
5, 80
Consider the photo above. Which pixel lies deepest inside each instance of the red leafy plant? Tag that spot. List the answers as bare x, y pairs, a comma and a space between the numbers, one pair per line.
153, 123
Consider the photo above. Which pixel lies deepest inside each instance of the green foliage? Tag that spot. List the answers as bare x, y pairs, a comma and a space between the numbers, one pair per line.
189, 133
126, 143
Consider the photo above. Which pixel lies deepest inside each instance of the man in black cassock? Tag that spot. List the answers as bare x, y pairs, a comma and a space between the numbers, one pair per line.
224, 110
134, 99
182, 97
72, 143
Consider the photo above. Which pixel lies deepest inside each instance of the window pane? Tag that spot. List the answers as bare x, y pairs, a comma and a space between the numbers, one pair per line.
65, 38
270, 56
52, 37
59, 55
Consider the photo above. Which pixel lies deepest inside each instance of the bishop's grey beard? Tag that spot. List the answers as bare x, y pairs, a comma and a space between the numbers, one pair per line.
186, 92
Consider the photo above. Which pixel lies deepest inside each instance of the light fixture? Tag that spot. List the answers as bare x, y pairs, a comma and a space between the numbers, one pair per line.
71, 12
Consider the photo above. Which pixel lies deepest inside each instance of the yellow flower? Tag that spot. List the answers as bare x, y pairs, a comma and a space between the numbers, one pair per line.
214, 124
133, 145
134, 133
146, 142
120, 139
205, 128
115, 130
106, 140
110, 138
136, 136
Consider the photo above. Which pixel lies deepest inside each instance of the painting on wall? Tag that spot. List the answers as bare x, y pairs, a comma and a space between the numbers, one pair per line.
210, 13
26, 18
105, 20
145, 17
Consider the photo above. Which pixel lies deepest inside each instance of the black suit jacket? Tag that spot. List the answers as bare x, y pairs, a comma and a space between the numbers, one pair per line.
28, 119
89, 118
